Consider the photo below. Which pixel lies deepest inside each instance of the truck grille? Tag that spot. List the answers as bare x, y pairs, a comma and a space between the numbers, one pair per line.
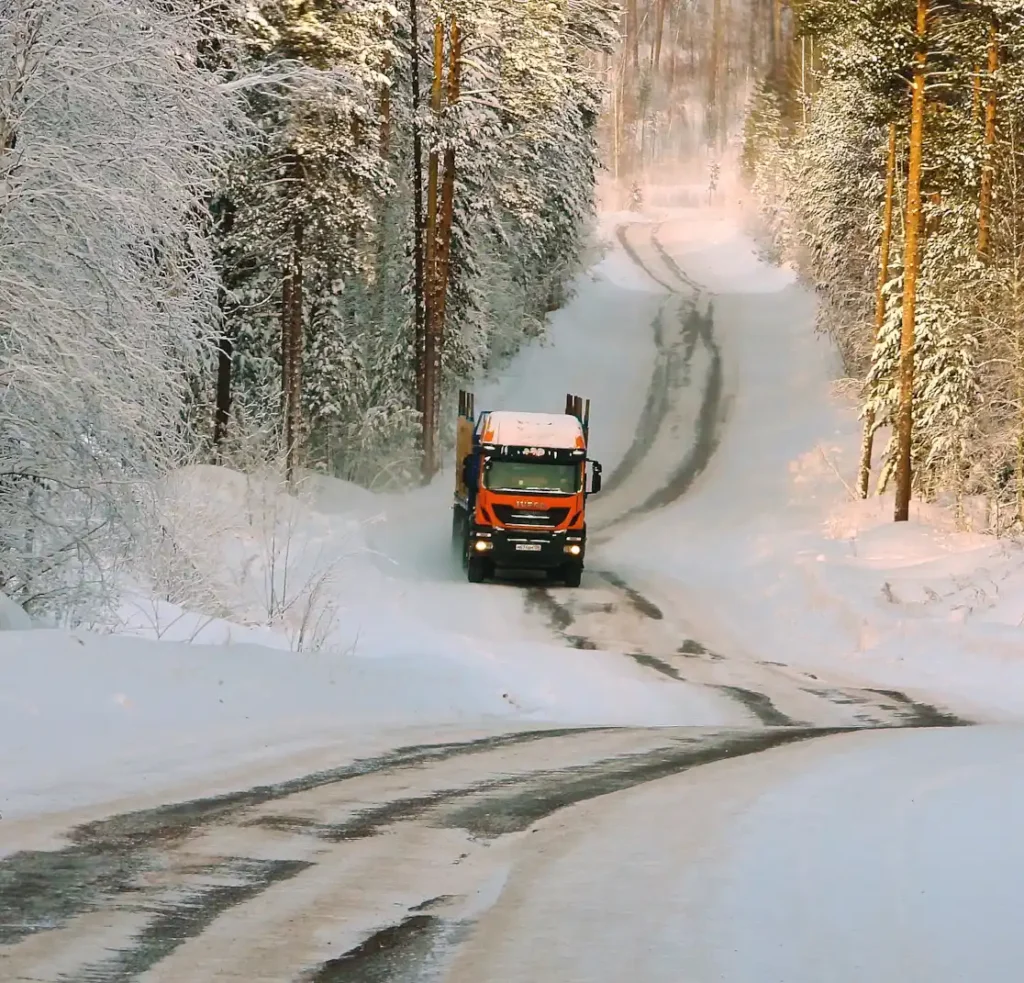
509, 515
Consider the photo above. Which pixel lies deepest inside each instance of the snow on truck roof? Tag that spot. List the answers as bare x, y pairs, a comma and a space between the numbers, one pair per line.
532, 429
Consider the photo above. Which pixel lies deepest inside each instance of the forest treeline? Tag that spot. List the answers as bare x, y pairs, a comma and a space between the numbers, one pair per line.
259, 231
246, 231
885, 148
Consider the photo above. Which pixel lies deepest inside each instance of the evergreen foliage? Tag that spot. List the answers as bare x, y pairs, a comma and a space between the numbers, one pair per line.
821, 184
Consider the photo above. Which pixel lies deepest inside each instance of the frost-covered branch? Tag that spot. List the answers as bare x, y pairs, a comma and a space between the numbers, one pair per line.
114, 139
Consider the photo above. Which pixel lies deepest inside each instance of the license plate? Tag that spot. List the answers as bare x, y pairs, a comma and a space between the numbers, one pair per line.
528, 547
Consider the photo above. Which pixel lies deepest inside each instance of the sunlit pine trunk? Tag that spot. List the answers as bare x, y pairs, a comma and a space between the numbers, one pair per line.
911, 264
445, 221
777, 51
430, 381
659, 31
225, 349
291, 350
712, 107
419, 313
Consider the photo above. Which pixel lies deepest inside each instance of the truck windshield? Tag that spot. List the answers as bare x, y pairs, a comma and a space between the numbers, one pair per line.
526, 476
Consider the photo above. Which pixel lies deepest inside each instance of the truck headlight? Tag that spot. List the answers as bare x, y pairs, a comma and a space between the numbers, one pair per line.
482, 545
573, 550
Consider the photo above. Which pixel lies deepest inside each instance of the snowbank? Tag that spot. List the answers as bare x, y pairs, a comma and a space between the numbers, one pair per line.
85, 718
12, 615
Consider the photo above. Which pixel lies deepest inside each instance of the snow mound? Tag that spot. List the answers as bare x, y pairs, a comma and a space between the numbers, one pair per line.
87, 717
12, 616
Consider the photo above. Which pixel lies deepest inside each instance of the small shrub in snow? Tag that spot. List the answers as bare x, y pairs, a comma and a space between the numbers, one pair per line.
242, 548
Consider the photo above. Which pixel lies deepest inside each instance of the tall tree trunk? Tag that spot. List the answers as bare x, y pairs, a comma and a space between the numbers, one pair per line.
293, 344
385, 110
445, 220
287, 288
225, 345
291, 348
713, 109
659, 31
883, 278
381, 299
430, 381
616, 125
633, 36
447, 206
419, 327
905, 412
222, 397
777, 50
988, 170
628, 89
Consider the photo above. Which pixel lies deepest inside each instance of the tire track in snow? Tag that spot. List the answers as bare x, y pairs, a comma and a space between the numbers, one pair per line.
44, 889
712, 413
139, 926
656, 407
564, 611
635, 257
581, 622
672, 376
417, 947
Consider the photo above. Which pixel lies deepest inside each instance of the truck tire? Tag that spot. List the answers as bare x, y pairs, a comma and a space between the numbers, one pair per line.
459, 535
476, 569
572, 574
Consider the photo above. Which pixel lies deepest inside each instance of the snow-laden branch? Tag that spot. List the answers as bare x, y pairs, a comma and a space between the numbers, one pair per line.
112, 139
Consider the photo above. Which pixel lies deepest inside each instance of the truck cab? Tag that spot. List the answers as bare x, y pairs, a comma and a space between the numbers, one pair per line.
521, 491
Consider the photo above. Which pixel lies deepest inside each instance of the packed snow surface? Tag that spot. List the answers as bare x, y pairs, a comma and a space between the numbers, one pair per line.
888, 857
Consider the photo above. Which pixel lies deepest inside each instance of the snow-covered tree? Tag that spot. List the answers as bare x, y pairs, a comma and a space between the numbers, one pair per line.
966, 408
110, 139
518, 148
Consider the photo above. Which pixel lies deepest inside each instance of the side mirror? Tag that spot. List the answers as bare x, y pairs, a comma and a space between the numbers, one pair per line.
595, 484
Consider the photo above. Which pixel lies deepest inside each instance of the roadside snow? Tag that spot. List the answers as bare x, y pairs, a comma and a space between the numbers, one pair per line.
770, 547
12, 615
85, 717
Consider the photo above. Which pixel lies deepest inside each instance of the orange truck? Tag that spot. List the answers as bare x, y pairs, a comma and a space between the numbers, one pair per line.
521, 490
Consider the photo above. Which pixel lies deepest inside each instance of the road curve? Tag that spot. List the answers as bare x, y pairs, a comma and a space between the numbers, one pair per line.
418, 864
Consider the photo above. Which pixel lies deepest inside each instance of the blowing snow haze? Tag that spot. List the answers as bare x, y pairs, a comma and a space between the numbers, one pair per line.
511, 492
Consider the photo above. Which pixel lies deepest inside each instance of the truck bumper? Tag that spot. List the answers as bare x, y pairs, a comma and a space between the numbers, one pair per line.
520, 549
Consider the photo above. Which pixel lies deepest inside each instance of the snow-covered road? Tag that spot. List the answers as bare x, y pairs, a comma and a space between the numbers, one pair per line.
876, 856
678, 799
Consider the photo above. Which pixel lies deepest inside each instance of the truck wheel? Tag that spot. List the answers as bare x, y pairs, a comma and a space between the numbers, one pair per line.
476, 569
459, 535
572, 574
